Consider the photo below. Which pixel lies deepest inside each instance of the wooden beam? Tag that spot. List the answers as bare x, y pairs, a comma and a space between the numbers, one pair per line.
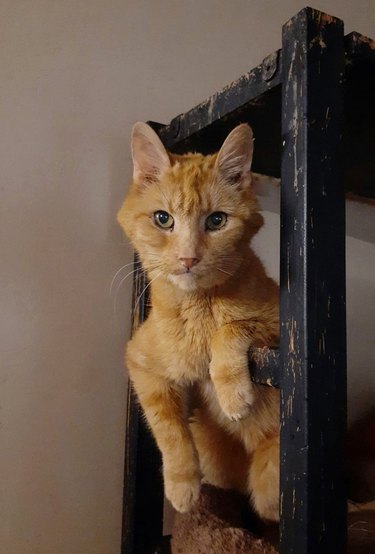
313, 333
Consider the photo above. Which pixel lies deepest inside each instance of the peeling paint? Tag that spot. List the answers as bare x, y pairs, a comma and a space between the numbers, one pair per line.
365, 40
289, 406
325, 19
318, 40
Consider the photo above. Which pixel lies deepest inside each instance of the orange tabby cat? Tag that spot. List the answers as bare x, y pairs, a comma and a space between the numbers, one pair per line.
191, 218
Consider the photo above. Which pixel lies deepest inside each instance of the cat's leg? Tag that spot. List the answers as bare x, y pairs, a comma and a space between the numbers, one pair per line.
229, 370
264, 478
163, 405
223, 459
229, 367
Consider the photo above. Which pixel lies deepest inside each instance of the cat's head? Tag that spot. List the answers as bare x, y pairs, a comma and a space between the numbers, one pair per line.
191, 217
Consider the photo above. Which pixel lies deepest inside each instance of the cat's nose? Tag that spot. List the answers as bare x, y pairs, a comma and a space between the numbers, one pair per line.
189, 262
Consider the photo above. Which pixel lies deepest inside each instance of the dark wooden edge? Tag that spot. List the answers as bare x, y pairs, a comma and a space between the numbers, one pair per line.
220, 105
142, 525
359, 128
131, 435
312, 288
359, 48
130, 470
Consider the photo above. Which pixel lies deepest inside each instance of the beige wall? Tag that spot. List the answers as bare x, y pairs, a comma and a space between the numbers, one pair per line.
75, 74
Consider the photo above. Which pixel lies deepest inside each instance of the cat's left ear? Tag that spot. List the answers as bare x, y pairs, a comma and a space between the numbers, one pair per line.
150, 158
234, 159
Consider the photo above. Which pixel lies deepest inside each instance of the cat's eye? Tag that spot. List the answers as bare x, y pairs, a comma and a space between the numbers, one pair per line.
216, 221
163, 219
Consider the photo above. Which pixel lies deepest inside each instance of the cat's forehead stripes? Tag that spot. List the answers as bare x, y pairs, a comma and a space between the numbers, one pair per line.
187, 183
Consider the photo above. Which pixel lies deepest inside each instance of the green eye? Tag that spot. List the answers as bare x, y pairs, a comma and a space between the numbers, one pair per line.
163, 219
216, 221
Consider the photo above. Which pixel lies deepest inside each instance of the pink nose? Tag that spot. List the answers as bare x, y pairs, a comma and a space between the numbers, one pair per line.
189, 262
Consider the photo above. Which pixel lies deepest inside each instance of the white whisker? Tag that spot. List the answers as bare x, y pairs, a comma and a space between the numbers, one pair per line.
144, 290
117, 272
223, 271
119, 287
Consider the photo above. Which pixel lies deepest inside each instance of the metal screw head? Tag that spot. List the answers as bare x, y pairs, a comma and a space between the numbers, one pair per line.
270, 65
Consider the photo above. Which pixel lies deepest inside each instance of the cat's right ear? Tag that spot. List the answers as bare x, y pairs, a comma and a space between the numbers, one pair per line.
150, 158
234, 159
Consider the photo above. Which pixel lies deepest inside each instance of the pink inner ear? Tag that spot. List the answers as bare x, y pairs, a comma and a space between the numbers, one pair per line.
150, 158
235, 156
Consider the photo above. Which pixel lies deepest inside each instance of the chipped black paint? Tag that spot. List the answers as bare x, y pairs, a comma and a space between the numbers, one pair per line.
254, 98
221, 105
264, 366
312, 277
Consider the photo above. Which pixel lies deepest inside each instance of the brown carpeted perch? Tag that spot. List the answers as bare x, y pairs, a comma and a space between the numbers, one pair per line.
218, 525
222, 523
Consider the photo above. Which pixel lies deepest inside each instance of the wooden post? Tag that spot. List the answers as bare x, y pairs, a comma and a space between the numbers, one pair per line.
312, 277
142, 524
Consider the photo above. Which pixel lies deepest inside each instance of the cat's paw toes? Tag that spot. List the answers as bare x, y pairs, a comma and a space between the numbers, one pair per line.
182, 494
236, 400
266, 503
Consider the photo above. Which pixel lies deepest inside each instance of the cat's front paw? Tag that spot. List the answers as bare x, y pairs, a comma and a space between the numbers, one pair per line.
235, 393
182, 492
235, 400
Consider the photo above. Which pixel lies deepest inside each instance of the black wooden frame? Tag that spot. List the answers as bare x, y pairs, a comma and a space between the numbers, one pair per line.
322, 86
312, 288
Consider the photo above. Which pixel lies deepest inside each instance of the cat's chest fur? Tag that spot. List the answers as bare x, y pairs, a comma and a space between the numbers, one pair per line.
189, 330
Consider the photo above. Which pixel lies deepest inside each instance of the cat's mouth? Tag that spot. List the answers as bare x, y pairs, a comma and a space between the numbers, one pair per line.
185, 279
185, 271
